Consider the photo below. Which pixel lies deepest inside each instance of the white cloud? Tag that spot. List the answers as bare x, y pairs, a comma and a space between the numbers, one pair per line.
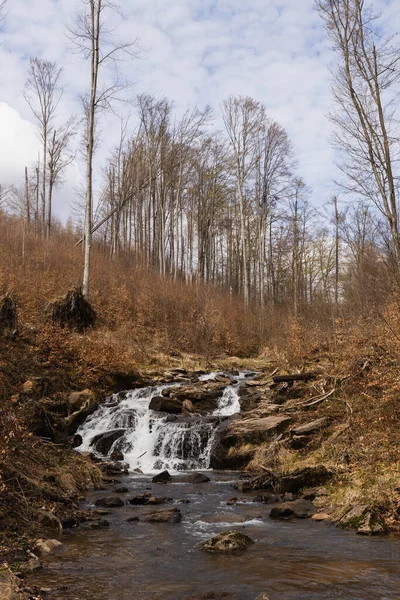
196, 51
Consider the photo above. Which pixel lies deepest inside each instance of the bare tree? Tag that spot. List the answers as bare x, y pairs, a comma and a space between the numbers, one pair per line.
96, 44
366, 128
43, 93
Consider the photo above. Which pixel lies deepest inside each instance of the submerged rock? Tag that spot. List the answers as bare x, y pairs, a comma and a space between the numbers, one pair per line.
170, 515
98, 524
227, 543
45, 547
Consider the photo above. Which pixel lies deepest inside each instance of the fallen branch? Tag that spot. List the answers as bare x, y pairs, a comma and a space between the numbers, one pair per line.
294, 377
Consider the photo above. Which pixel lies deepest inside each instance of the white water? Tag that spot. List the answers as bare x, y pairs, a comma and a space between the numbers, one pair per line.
152, 441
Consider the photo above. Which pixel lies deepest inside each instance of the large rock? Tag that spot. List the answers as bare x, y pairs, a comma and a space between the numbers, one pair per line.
365, 520
255, 431
197, 393
103, 442
310, 428
168, 405
110, 502
170, 515
229, 542
298, 509
163, 477
48, 520
140, 499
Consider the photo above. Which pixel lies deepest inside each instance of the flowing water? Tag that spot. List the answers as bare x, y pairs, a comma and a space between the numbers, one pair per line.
300, 560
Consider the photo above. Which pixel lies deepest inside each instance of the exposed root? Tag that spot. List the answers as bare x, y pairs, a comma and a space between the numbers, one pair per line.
72, 311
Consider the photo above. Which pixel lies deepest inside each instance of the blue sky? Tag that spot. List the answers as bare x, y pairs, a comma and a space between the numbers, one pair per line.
193, 52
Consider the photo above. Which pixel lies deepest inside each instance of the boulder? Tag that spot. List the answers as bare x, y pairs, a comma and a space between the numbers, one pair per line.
201, 392
110, 502
45, 547
304, 478
168, 405
365, 520
310, 428
229, 542
297, 509
49, 521
113, 468
170, 515
77, 400
163, 477
121, 490
103, 442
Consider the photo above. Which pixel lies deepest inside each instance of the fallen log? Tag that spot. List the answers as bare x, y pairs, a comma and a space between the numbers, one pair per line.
294, 377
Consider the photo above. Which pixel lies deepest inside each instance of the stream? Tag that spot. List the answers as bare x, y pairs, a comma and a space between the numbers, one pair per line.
297, 560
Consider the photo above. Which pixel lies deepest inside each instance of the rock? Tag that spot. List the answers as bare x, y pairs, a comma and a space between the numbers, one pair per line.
31, 565
98, 524
187, 406
10, 587
49, 521
101, 513
114, 468
192, 478
262, 597
140, 499
163, 477
116, 455
254, 431
110, 502
132, 520
297, 509
154, 500
78, 399
139, 471
121, 490
45, 547
310, 428
168, 405
365, 520
34, 386
304, 478
76, 440
103, 442
170, 515
321, 517
227, 543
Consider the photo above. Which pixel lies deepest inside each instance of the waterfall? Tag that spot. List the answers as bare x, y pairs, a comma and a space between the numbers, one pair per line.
152, 441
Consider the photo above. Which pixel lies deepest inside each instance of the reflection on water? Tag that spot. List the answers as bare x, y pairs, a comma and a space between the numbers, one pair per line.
301, 560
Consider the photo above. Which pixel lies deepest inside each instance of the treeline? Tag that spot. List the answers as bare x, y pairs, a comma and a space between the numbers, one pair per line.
226, 205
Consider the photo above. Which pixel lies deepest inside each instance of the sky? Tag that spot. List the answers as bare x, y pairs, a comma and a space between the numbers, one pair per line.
194, 52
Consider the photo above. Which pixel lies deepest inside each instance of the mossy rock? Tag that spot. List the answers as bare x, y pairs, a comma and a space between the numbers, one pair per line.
365, 520
229, 542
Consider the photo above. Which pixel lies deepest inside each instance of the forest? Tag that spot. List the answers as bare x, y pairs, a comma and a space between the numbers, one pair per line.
200, 320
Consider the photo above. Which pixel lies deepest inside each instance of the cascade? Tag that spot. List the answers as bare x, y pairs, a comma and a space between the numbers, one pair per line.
152, 441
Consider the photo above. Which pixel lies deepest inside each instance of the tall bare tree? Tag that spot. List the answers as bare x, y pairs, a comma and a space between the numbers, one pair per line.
43, 93
96, 44
366, 127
